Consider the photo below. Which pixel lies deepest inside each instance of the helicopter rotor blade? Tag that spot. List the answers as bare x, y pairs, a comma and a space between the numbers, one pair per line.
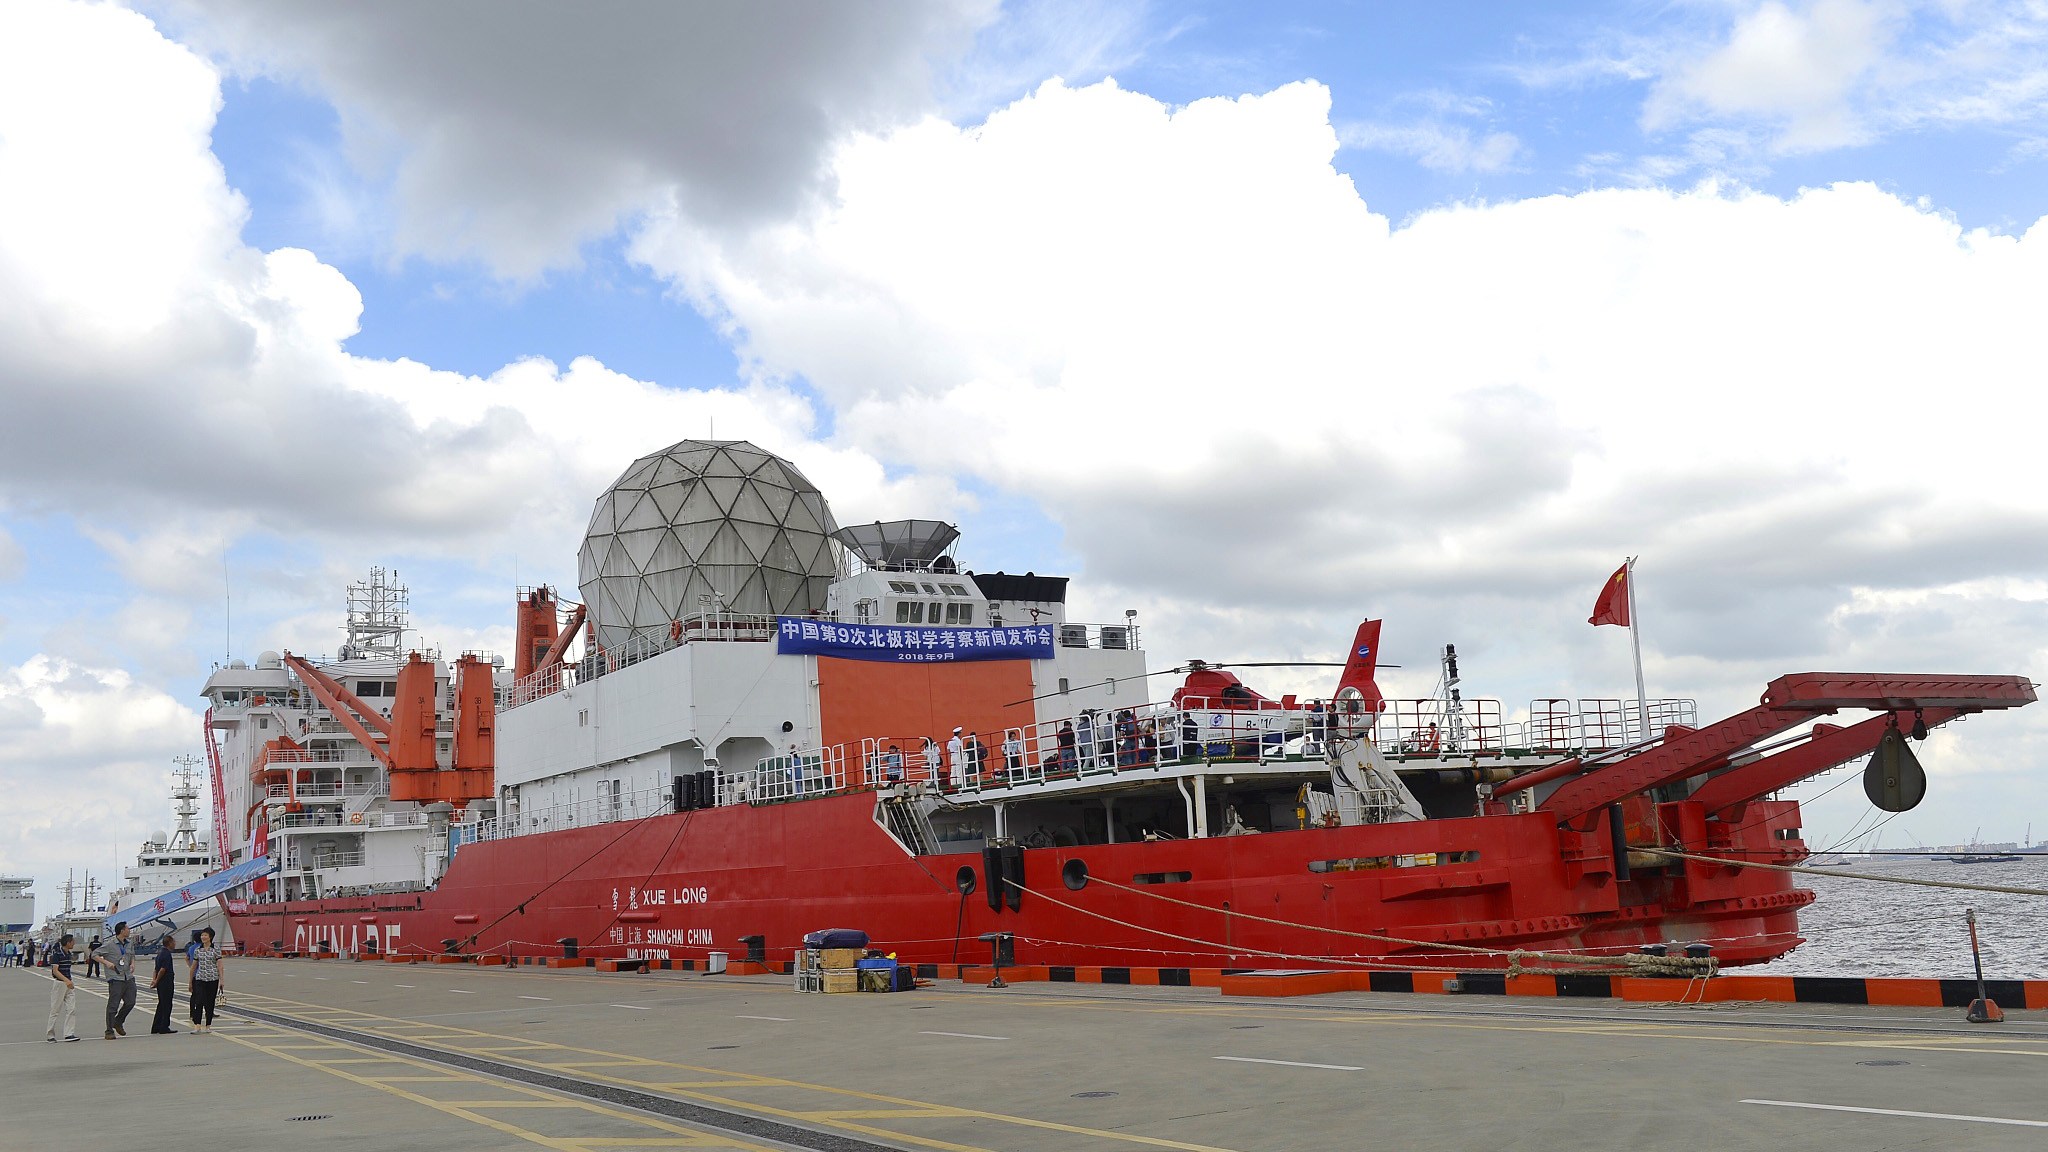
1185, 668
1193, 666
1294, 664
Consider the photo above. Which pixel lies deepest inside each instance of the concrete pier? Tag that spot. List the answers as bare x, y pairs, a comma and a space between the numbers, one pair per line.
371, 1056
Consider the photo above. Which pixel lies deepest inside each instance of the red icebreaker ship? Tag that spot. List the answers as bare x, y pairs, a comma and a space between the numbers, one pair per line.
757, 724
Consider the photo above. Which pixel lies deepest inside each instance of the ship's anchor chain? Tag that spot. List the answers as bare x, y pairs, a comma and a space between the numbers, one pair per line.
1629, 963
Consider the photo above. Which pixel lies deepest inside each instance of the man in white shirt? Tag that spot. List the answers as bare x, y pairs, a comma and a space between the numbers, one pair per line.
956, 760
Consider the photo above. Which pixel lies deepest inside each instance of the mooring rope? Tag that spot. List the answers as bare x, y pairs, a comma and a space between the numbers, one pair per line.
1958, 885
1517, 957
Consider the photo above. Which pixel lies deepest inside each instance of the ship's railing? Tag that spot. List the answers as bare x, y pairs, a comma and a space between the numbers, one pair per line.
321, 861
325, 791
1597, 723
331, 819
718, 627
606, 808
1107, 743
356, 754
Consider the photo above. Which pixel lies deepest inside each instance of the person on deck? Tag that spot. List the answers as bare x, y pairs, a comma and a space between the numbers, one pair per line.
1013, 753
1084, 738
1126, 738
164, 980
956, 759
1067, 743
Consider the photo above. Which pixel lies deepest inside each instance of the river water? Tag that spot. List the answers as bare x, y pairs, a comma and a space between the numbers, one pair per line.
1868, 928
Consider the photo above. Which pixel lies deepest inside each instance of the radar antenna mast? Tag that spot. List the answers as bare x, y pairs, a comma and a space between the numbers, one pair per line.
186, 794
379, 611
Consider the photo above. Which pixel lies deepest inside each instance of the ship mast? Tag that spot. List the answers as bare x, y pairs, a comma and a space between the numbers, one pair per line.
186, 794
378, 612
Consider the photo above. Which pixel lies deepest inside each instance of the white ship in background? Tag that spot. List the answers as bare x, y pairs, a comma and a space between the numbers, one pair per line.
17, 905
167, 862
81, 916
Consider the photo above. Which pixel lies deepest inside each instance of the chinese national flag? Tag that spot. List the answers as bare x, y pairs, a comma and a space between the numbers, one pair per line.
1612, 607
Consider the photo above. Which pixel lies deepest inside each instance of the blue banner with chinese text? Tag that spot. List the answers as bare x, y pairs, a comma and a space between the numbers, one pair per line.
178, 899
908, 644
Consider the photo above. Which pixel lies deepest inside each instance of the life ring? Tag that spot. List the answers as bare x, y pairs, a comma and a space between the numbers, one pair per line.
675, 631
355, 817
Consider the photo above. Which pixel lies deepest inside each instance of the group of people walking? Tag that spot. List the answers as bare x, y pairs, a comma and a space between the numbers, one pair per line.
116, 960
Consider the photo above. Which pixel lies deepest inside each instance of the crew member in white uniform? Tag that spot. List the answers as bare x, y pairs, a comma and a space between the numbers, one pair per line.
956, 760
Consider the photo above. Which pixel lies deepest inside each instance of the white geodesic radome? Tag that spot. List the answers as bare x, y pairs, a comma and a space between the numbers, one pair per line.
705, 525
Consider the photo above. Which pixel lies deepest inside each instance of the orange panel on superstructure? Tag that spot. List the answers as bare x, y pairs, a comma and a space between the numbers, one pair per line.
862, 698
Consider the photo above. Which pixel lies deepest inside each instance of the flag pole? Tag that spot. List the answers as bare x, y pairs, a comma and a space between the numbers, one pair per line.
1635, 643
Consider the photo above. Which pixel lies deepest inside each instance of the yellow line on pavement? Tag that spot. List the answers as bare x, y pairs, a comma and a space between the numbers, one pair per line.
619, 1059
678, 1135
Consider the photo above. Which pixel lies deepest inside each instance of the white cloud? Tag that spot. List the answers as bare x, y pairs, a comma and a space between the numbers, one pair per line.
86, 754
182, 388
1256, 408
514, 133
1799, 68
1452, 148
12, 561
174, 392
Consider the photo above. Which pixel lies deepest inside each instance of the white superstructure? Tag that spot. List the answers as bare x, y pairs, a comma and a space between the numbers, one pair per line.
295, 773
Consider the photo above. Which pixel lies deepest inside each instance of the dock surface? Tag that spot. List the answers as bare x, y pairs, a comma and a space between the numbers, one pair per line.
320, 1054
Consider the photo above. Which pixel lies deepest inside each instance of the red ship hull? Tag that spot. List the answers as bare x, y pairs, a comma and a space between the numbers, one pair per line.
681, 886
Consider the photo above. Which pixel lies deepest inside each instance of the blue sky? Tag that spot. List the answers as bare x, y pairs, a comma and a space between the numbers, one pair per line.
1576, 302
1558, 84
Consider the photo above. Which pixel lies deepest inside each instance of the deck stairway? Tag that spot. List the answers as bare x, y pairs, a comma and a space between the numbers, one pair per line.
908, 818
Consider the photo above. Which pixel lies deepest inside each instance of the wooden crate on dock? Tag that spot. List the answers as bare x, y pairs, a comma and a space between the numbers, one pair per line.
842, 980
832, 959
